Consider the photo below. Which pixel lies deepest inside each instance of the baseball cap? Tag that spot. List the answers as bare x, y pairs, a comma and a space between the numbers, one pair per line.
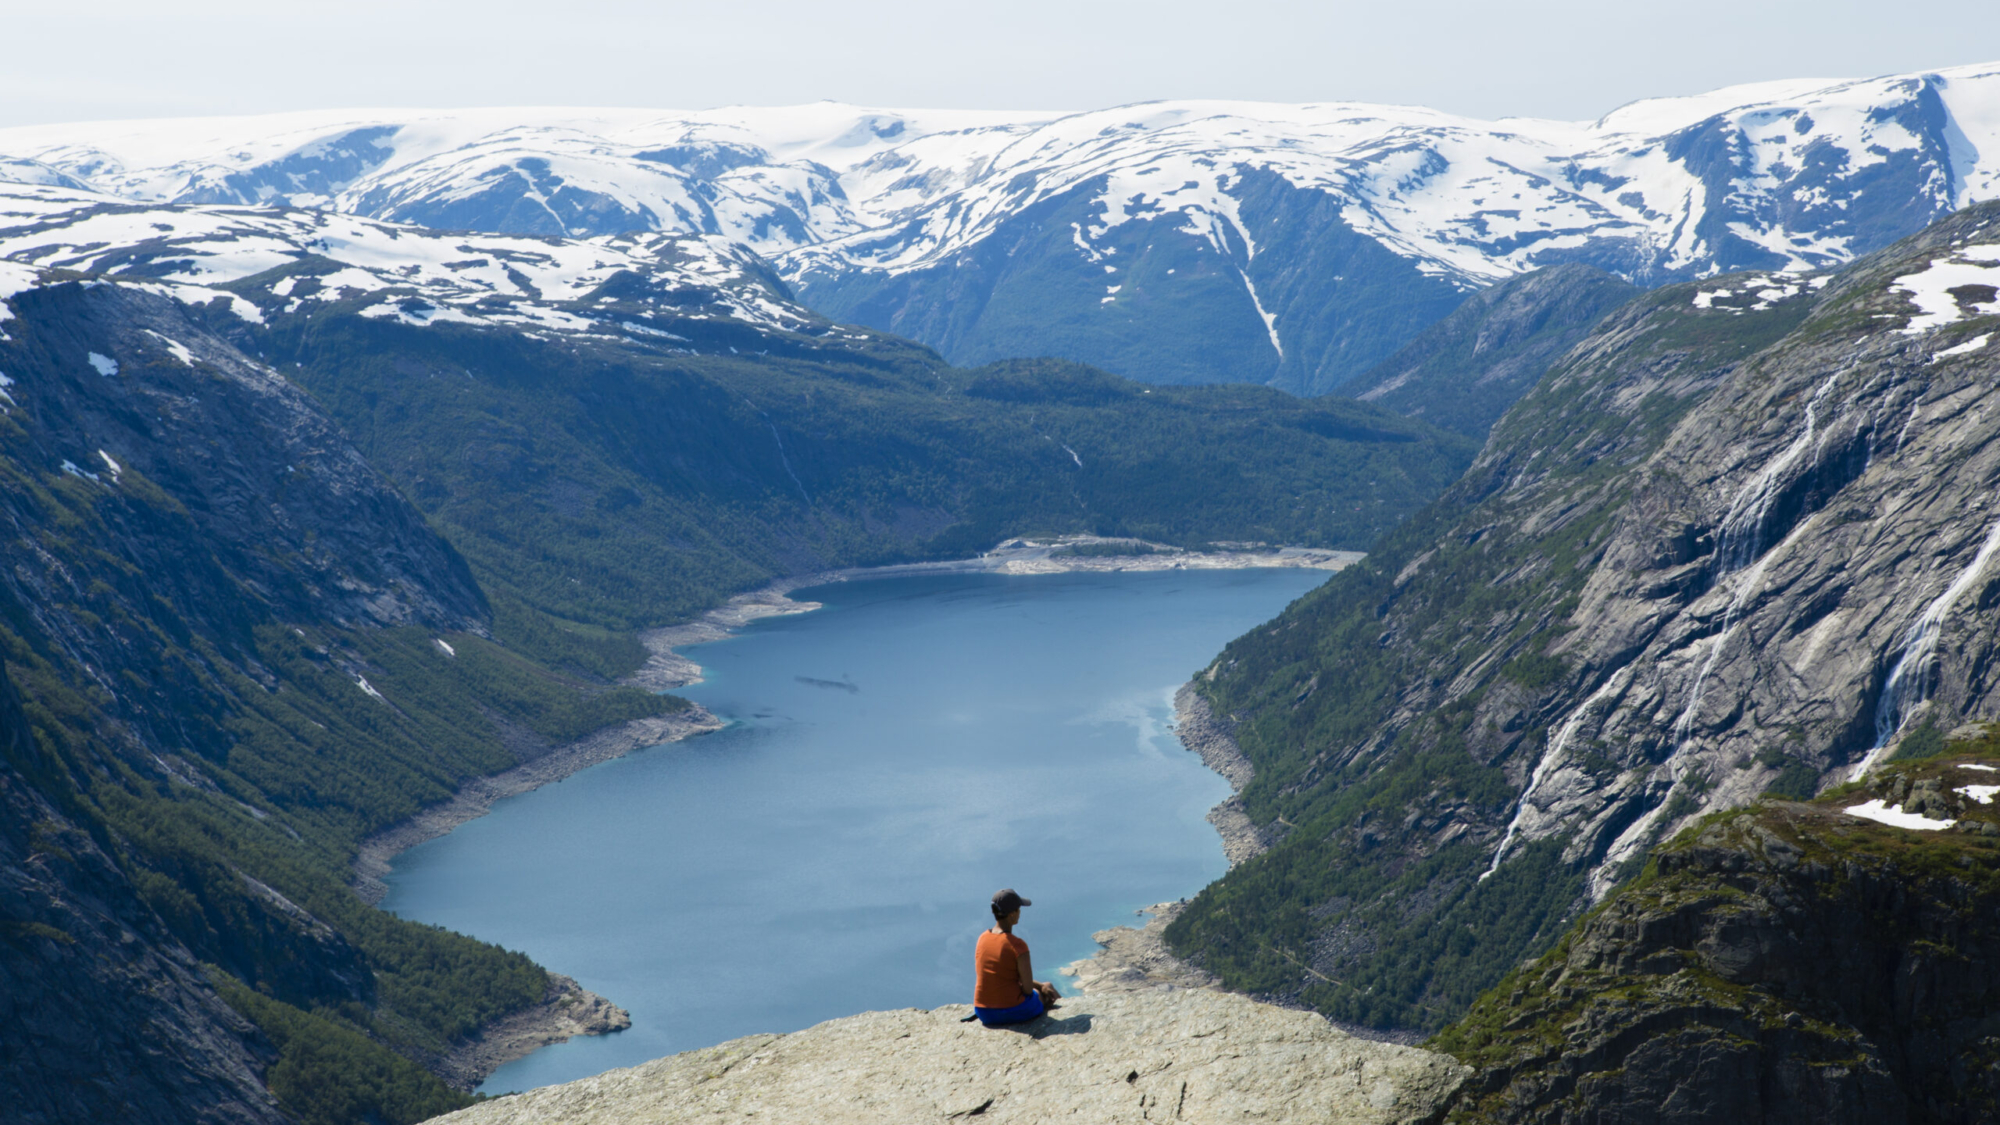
1007, 901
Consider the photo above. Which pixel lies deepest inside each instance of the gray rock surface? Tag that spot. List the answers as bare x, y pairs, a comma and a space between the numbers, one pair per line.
567, 1011
1135, 959
1198, 728
1743, 536
1788, 964
1194, 1056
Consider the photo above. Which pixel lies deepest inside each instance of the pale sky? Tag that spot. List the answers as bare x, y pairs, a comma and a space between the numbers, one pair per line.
1549, 58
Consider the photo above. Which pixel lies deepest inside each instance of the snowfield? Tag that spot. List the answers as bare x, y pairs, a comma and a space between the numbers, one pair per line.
1677, 185
423, 276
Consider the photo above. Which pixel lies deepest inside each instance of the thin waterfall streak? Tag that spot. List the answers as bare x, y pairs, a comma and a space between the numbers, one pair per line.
1623, 847
785, 460
1909, 682
1737, 601
1741, 541
1548, 761
1916, 408
1743, 527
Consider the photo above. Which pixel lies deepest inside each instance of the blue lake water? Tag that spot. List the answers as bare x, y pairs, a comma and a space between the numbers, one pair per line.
891, 760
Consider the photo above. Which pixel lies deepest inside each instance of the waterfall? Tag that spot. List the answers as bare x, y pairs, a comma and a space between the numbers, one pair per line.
1742, 532
1550, 757
1909, 682
1741, 542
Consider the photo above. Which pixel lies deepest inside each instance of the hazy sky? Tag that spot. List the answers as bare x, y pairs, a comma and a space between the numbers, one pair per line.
1553, 58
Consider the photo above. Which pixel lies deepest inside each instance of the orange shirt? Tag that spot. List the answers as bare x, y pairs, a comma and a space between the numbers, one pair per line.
998, 958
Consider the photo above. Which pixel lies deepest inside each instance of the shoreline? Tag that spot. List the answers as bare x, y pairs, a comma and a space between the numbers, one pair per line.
476, 796
667, 669
567, 1010
571, 1010
1132, 958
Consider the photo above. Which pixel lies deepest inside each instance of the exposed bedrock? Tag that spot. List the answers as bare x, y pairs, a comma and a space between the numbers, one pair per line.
1194, 1056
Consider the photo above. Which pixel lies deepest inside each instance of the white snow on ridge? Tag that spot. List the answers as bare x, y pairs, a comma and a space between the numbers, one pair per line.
467, 278
837, 187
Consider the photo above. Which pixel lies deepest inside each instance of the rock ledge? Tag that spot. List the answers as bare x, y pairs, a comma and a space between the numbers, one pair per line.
1194, 1056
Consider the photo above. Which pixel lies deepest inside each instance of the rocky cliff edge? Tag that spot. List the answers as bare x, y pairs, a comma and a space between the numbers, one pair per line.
1816, 963
1163, 1055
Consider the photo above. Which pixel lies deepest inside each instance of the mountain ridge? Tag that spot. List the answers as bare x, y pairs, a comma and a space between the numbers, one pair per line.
1246, 222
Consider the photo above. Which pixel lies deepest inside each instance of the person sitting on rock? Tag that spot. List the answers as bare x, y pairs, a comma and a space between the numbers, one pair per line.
1006, 990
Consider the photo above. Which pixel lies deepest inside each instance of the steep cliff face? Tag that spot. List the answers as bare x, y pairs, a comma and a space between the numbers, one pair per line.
1463, 372
215, 470
228, 636
1785, 963
1736, 539
109, 1018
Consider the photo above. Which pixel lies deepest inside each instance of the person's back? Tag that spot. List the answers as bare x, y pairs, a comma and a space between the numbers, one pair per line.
998, 957
1004, 989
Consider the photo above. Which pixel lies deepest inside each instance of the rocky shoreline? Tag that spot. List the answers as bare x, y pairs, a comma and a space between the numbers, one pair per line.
371, 861
568, 1009
667, 669
1130, 959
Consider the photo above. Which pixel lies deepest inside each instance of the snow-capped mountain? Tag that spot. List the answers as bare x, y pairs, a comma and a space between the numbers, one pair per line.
1174, 241
292, 258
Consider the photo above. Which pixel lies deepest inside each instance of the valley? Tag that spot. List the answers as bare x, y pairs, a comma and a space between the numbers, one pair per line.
404, 508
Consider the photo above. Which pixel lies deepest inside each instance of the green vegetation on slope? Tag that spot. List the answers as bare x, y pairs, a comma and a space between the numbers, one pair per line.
1463, 372
204, 697
1783, 952
1371, 908
598, 486
242, 654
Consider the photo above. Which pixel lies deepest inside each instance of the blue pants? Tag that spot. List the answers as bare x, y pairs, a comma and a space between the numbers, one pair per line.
1026, 1010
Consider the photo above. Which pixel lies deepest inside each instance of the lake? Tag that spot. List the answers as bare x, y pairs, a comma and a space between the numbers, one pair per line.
890, 761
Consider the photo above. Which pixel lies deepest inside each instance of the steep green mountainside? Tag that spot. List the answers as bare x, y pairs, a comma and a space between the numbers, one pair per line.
1787, 963
1463, 372
613, 484
1735, 541
621, 432
230, 642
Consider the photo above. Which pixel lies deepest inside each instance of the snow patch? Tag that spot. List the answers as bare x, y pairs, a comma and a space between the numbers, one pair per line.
362, 683
1968, 271
1880, 812
444, 646
1981, 793
106, 366
1967, 348
117, 470
174, 348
